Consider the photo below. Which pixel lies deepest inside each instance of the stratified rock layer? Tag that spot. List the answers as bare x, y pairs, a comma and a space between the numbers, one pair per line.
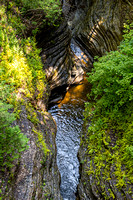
102, 186
36, 176
58, 58
96, 27
97, 24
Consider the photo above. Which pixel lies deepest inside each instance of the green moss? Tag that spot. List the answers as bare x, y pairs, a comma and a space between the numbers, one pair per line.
41, 141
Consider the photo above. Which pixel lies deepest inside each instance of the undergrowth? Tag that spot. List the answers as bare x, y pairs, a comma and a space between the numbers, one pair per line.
52, 9
22, 81
110, 134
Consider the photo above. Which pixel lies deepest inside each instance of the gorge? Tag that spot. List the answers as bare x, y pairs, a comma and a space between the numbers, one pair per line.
88, 28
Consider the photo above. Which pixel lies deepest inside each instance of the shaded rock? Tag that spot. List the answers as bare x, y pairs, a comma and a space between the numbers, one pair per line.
102, 186
97, 25
60, 64
56, 56
36, 175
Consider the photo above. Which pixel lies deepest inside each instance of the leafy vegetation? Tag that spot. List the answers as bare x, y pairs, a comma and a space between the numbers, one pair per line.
110, 135
12, 141
52, 8
41, 141
22, 81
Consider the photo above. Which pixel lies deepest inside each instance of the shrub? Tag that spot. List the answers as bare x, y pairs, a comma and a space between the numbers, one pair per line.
12, 141
111, 112
112, 82
22, 80
52, 8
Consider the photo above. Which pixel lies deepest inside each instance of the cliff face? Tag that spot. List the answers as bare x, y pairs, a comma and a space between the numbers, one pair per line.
36, 175
97, 27
97, 24
94, 25
100, 186
57, 57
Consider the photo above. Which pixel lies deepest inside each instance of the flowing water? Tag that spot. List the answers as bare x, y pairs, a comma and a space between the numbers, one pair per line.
68, 115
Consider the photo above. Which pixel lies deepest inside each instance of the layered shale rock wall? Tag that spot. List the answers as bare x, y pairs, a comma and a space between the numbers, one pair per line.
36, 175
94, 25
57, 57
97, 24
101, 186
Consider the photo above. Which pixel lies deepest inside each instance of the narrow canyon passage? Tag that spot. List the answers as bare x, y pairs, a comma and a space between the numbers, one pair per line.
68, 115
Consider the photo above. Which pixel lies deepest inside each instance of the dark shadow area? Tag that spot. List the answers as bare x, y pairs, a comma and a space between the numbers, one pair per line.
57, 94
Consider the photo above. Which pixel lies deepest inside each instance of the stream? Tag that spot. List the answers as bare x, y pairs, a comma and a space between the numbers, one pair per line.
68, 114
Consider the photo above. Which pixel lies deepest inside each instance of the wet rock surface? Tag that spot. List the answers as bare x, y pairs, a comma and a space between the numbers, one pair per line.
56, 57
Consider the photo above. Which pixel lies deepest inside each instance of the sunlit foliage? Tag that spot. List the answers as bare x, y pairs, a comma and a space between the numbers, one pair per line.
22, 80
110, 135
